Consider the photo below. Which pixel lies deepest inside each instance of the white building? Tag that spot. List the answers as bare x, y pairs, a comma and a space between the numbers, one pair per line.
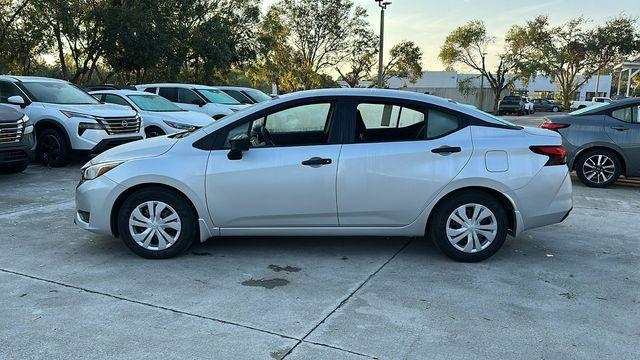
445, 84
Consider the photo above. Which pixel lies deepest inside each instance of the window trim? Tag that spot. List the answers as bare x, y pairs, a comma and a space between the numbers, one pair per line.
216, 140
413, 105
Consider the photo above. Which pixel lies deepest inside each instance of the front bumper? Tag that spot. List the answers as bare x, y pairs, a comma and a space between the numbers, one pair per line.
106, 144
94, 201
18, 153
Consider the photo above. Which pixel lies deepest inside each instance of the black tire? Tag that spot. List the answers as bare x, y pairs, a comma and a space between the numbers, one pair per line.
555, 109
187, 217
13, 169
153, 131
53, 149
438, 225
586, 178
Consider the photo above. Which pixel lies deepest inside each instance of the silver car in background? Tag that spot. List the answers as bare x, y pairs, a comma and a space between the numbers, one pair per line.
332, 162
602, 140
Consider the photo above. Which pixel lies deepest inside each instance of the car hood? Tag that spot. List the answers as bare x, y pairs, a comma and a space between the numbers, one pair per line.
152, 147
101, 110
186, 117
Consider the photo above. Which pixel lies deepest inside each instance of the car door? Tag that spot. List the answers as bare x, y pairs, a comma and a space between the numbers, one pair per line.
401, 156
288, 181
622, 125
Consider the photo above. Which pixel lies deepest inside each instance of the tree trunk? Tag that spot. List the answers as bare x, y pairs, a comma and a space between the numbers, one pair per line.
496, 92
63, 63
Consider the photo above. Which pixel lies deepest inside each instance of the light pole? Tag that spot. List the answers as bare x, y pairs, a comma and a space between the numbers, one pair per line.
383, 5
482, 83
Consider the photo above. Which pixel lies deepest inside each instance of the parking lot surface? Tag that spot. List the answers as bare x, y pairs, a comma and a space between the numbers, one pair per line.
570, 290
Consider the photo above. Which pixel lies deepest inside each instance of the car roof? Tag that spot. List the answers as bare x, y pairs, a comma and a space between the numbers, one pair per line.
14, 78
612, 105
178, 85
121, 92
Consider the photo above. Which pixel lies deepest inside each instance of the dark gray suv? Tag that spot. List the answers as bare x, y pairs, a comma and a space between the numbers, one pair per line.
16, 140
602, 141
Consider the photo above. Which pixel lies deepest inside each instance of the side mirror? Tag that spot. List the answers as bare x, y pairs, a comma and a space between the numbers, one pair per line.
198, 102
239, 143
17, 100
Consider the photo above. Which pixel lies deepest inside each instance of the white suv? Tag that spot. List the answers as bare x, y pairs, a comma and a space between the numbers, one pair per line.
200, 98
68, 119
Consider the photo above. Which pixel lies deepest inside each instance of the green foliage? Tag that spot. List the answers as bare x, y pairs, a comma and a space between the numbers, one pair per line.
573, 52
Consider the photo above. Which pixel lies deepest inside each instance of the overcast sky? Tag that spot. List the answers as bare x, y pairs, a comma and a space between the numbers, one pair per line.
428, 22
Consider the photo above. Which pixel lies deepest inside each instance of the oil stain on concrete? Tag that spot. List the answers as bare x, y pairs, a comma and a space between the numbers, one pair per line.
266, 283
287, 268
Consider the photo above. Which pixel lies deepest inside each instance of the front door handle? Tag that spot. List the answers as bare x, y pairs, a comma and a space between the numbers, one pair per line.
620, 128
316, 161
446, 150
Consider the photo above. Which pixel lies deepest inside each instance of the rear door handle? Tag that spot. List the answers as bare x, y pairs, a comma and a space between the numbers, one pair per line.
316, 161
446, 150
620, 128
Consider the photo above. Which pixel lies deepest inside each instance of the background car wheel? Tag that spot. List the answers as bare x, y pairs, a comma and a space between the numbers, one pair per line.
555, 109
469, 226
53, 149
598, 168
13, 169
153, 131
157, 224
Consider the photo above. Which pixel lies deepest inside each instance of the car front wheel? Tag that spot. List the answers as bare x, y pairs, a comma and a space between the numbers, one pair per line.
598, 168
469, 226
52, 149
157, 224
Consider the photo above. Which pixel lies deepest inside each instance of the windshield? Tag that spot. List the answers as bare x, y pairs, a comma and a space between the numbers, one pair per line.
57, 93
218, 97
153, 103
257, 95
588, 108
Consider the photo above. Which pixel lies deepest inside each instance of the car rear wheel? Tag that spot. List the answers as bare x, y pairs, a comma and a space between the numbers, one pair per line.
157, 224
53, 149
469, 226
598, 168
555, 109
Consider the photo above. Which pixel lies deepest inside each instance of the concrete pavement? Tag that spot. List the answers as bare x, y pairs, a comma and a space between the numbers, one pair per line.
564, 291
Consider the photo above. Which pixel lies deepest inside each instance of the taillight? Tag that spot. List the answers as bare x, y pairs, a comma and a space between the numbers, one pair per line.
554, 126
557, 154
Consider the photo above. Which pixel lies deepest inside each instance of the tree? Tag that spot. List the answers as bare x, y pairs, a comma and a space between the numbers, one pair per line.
320, 31
362, 52
467, 45
571, 53
405, 61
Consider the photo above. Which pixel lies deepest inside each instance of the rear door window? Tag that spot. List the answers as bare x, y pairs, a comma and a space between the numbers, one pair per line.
170, 94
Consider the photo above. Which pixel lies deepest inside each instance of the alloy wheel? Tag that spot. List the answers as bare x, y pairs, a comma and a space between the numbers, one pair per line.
154, 225
51, 148
471, 228
598, 168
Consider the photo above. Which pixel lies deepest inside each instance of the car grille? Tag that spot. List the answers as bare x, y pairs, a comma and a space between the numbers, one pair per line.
120, 125
11, 132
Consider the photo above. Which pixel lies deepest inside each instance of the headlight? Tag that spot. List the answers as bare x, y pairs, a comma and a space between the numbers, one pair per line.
93, 171
71, 114
179, 126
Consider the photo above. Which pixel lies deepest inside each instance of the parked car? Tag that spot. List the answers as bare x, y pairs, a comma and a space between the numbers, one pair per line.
602, 141
528, 106
245, 95
576, 105
205, 99
90, 88
16, 140
68, 119
159, 115
511, 104
547, 105
332, 162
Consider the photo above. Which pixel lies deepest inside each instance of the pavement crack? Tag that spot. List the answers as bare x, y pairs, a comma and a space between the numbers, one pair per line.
344, 301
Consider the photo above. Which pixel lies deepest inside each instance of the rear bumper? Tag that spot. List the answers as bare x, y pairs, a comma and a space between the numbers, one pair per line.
547, 199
